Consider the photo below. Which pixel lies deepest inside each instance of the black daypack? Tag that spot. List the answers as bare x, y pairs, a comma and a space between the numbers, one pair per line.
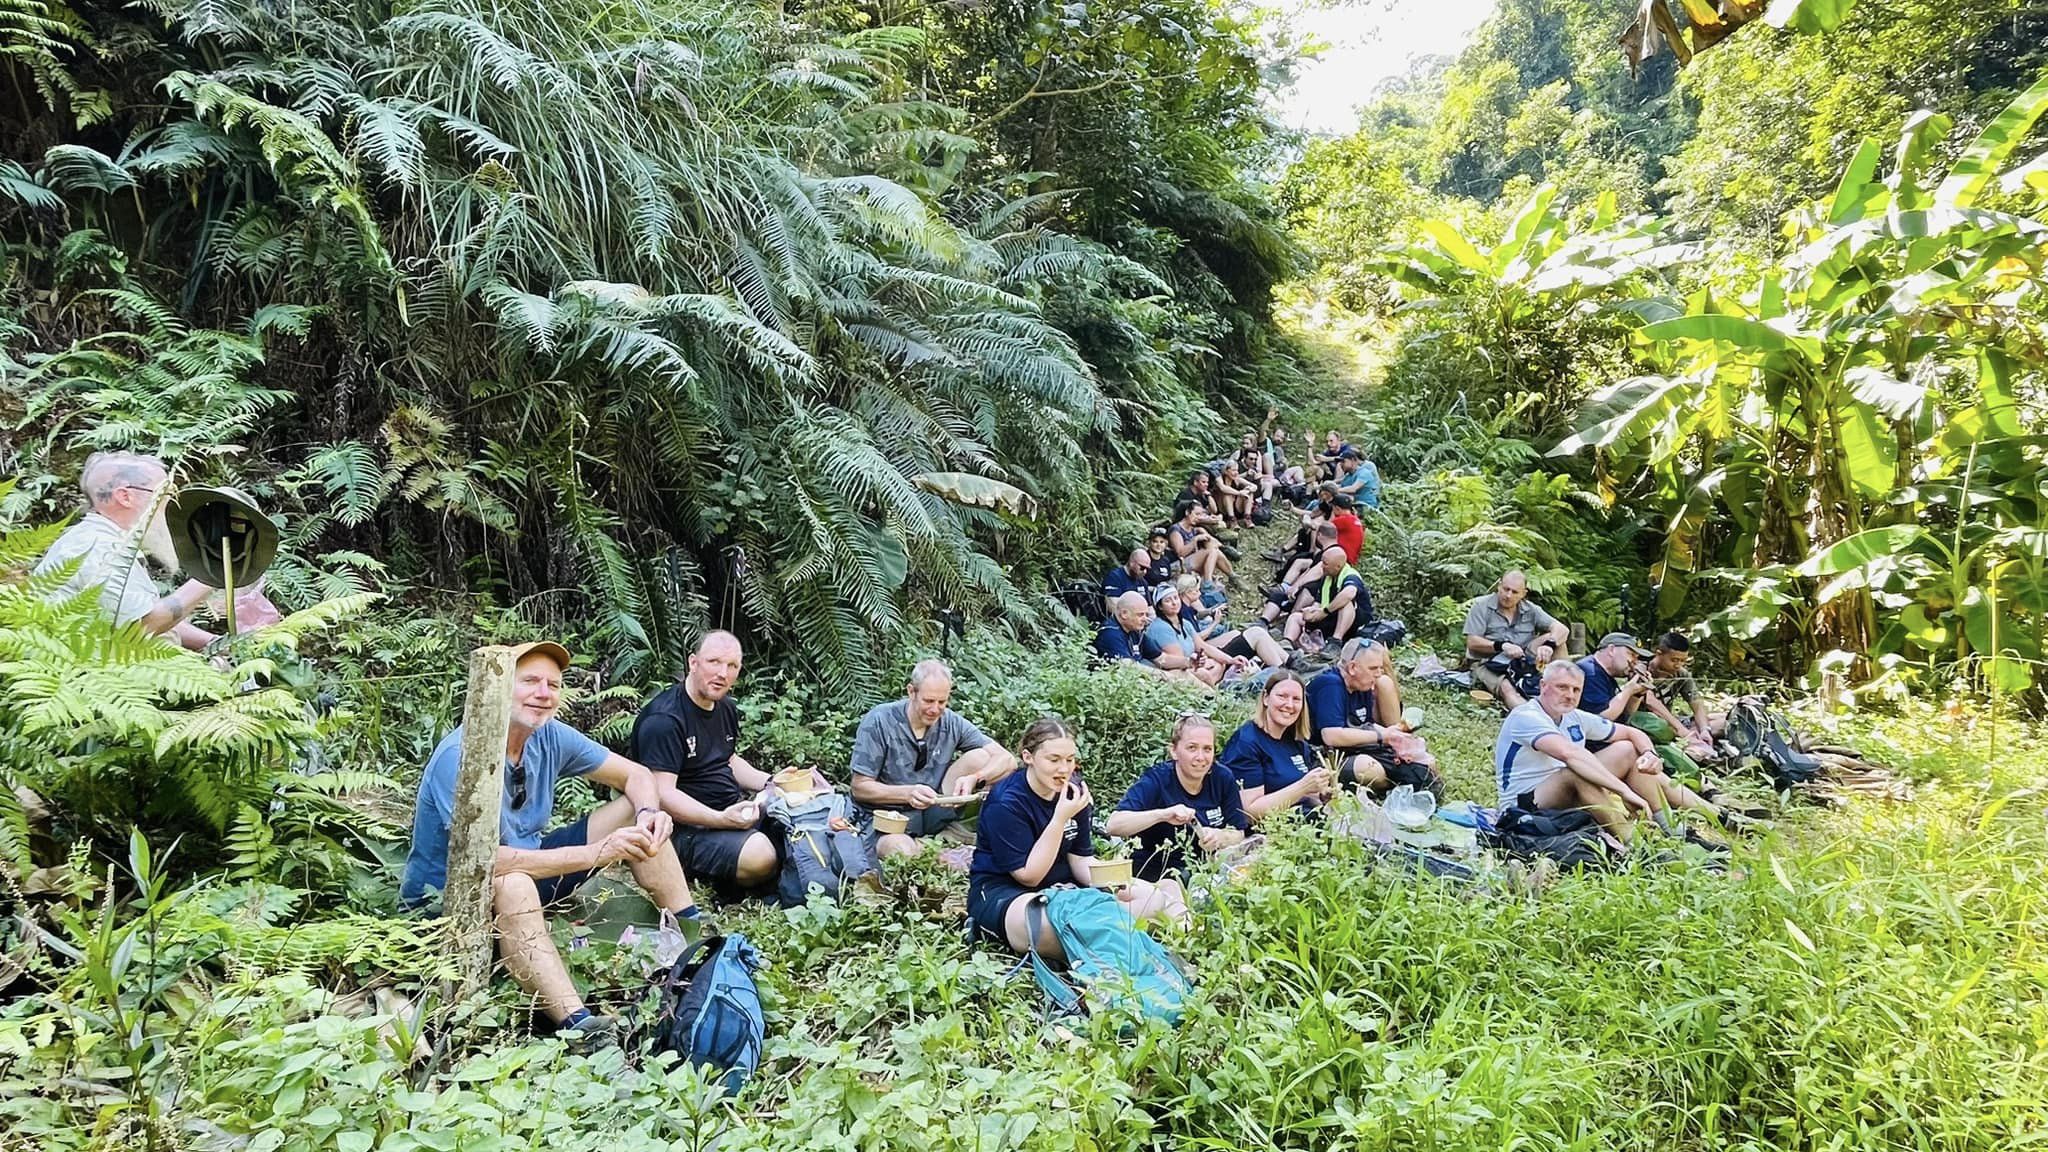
1572, 838
1757, 731
1388, 632
814, 856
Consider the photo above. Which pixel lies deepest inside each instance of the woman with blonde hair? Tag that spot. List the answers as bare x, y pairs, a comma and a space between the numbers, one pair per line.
1271, 756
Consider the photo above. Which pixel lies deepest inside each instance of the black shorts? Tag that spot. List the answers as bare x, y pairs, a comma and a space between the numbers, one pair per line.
1239, 646
711, 853
988, 902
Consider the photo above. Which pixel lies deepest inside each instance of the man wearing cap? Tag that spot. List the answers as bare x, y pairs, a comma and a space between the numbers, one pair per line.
1616, 688
913, 753
1359, 478
689, 735
1502, 631
127, 494
536, 867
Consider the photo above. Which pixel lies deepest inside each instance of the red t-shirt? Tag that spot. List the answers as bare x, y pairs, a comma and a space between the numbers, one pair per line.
1350, 534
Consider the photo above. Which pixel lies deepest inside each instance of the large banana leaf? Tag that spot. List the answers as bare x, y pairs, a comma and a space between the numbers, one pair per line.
1860, 192
1622, 415
1742, 332
979, 492
1994, 146
1870, 451
1860, 549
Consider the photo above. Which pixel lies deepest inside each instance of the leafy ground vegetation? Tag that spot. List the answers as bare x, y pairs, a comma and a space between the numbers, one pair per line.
617, 321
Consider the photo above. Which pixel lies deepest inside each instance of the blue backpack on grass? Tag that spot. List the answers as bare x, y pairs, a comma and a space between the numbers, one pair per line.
710, 1011
1108, 956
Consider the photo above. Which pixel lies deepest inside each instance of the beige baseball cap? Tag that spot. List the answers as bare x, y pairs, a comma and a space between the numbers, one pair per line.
549, 648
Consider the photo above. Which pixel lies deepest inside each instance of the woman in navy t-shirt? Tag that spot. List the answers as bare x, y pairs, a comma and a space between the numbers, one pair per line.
1270, 754
1180, 807
1034, 833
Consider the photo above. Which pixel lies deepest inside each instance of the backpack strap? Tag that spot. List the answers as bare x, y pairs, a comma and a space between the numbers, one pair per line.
1062, 995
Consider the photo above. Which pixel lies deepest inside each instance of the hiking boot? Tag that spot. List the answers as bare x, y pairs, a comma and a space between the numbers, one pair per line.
1231, 553
591, 1034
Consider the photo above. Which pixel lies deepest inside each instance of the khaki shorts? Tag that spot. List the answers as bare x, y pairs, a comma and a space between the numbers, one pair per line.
1487, 678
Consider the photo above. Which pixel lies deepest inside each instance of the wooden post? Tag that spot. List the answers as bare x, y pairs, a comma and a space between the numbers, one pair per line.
1576, 643
473, 826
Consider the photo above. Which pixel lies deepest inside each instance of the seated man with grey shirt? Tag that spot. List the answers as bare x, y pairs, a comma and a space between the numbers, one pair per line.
904, 759
1504, 630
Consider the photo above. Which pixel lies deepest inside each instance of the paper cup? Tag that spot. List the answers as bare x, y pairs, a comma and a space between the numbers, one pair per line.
891, 823
1111, 873
795, 781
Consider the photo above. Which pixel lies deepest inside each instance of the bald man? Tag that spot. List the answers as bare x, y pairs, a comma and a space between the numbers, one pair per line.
689, 735
1133, 576
1123, 636
127, 494
1333, 605
1505, 634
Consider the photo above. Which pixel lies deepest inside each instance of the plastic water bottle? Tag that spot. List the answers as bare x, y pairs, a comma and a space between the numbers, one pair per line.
579, 936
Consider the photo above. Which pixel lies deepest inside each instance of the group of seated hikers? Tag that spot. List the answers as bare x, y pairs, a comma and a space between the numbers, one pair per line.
1599, 735
689, 808
1165, 607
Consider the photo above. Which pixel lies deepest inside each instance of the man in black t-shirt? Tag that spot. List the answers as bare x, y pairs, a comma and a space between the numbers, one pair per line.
688, 734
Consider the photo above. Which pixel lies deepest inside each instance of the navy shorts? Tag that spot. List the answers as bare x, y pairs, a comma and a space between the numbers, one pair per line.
988, 901
555, 889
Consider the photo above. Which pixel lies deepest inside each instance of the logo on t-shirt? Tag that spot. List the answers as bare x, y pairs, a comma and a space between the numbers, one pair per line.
1213, 817
692, 742
1072, 831
1359, 714
1299, 765
1577, 734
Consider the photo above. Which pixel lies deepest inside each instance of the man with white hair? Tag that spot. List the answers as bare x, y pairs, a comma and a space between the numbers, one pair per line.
1542, 763
127, 494
915, 753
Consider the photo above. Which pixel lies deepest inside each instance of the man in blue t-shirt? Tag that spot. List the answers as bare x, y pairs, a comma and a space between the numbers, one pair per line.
1123, 636
1616, 688
1132, 576
1181, 805
1360, 478
536, 867
1341, 715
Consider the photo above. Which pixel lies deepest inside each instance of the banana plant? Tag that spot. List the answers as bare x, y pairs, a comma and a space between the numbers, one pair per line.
1840, 394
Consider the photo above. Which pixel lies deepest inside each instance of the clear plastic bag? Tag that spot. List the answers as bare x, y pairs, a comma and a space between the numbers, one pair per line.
1409, 809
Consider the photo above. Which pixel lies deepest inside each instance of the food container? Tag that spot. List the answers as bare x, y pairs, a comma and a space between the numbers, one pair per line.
891, 823
1111, 873
795, 782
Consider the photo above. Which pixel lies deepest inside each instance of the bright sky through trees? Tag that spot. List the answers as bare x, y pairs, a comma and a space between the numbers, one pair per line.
1370, 40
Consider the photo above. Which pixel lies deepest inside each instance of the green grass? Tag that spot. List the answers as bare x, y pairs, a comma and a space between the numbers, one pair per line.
1871, 977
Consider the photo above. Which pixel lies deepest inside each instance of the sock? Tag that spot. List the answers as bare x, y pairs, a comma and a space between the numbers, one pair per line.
690, 913
1664, 819
575, 1018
